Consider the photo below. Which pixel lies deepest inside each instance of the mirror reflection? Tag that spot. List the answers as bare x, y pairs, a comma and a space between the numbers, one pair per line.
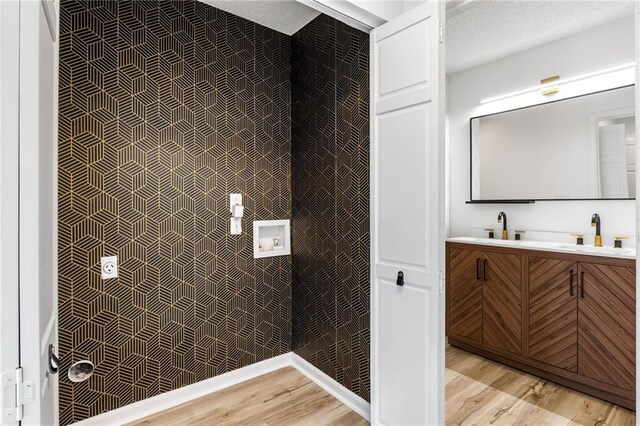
577, 148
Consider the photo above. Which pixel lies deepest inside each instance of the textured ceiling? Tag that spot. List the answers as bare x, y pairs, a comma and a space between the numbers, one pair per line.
483, 31
286, 16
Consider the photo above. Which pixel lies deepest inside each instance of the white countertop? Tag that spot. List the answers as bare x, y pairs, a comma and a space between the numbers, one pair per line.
621, 253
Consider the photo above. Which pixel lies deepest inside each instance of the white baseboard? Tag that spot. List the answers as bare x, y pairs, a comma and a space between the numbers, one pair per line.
167, 400
342, 394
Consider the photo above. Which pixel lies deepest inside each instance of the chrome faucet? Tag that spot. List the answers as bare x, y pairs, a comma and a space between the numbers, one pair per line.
502, 218
595, 221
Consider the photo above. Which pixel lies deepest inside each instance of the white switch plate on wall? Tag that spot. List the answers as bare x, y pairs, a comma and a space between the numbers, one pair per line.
235, 227
109, 267
233, 200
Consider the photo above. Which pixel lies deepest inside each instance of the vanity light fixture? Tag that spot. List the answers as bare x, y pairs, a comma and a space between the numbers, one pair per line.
609, 78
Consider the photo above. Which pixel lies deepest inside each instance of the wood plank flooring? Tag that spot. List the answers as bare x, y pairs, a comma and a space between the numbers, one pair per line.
282, 397
482, 392
478, 392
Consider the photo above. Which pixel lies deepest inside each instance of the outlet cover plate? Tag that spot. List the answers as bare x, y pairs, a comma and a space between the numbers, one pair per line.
109, 267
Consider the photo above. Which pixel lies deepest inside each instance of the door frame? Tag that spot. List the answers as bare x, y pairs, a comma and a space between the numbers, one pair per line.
9, 173
637, 37
38, 216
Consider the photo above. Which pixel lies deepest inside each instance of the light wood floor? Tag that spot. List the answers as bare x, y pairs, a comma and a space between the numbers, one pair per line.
482, 392
478, 392
283, 397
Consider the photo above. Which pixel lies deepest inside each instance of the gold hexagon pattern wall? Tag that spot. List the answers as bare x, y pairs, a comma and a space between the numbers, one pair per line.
166, 107
330, 151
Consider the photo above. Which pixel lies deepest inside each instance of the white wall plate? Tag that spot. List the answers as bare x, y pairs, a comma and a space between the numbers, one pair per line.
271, 238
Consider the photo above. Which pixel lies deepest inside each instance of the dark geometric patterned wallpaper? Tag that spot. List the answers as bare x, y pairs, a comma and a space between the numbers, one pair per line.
166, 107
330, 225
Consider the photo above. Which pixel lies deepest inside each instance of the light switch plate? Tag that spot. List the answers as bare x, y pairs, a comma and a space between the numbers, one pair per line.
233, 200
109, 267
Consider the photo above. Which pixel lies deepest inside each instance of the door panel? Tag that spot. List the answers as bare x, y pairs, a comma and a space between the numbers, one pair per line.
403, 305
400, 65
606, 324
38, 213
407, 161
404, 227
502, 302
553, 312
464, 288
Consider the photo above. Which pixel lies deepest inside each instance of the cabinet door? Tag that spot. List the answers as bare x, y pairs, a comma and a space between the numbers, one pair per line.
465, 294
502, 302
553, 312
606, 324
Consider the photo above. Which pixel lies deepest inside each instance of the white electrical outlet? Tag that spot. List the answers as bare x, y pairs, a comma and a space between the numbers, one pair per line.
235, 226
234, 199
109, 267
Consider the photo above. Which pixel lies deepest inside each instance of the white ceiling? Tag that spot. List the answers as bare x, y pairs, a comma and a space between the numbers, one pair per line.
286, 16
482, 31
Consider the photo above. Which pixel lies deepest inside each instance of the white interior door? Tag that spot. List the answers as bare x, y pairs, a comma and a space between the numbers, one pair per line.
407, 207
613, 161
9, 101
38, 207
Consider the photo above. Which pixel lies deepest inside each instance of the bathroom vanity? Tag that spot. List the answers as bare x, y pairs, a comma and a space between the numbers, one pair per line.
563, 312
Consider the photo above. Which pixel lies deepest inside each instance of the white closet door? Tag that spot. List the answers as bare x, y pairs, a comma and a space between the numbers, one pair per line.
38, 208
407, 213
9, 149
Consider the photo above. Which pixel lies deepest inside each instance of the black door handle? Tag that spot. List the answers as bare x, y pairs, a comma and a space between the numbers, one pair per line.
484, 270
571, 282
54, 361
478, 268
400, 279
582, 285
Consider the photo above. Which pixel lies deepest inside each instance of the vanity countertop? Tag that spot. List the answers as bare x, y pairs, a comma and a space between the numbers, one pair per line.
621, 253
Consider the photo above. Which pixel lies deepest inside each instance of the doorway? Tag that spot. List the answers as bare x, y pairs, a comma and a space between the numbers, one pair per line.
486, 78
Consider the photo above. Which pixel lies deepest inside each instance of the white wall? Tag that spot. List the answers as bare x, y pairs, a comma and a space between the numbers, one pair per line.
593, 50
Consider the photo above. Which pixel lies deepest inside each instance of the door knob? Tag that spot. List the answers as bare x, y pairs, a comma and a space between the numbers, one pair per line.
400, 280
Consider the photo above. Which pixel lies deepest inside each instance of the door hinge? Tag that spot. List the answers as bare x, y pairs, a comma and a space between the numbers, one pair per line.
441, 283
441, 31
16, 393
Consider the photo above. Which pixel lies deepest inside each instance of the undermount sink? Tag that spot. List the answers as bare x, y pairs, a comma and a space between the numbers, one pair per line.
625, 253
595, 250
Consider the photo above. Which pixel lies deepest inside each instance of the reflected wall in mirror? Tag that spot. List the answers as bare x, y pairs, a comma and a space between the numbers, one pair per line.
576, 148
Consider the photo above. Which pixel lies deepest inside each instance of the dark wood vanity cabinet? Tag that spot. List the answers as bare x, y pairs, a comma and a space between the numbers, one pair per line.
582, 318
484, 294
606, 324
465, 294
502, 301
553, 312
564, 317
